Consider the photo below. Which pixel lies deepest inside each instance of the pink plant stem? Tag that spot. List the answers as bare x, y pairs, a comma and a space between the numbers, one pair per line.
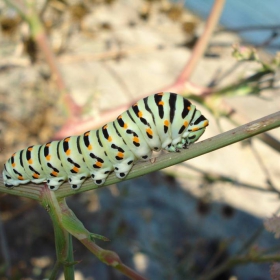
42, 41
75, 127
200, 46
27, 10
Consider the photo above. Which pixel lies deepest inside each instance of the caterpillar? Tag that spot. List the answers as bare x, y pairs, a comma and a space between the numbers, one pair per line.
160, 121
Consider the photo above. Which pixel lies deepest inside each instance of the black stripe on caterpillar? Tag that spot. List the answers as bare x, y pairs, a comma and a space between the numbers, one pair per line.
161, 121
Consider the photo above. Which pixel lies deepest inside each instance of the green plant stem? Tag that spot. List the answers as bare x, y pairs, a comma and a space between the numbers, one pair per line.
55, 271
67, 224
63, 240
211, 144
17, 5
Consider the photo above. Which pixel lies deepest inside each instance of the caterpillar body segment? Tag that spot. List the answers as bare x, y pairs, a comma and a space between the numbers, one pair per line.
51, 164
161, 121
32, 165
133, 136
72, 161
13, 172
142, 114
95, 156
117, 151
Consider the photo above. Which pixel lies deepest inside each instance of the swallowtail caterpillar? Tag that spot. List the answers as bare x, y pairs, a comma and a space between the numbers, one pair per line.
161, 121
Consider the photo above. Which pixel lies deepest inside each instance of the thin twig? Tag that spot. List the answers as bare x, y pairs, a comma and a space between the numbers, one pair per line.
30, 15
222, 178
200, 47
237, 261
112, 259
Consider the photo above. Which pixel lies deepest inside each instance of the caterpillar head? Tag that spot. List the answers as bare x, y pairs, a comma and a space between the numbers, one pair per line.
196, 129
194, 136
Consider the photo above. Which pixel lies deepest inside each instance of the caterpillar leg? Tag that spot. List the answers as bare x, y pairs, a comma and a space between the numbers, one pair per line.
77, 180
99, 176
121, 175
123, 168
99, 182
55, 183
173, 148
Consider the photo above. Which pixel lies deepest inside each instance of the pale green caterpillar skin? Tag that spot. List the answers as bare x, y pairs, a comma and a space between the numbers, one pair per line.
161, 121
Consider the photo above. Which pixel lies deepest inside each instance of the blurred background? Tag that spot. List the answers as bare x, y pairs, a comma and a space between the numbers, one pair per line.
182, 222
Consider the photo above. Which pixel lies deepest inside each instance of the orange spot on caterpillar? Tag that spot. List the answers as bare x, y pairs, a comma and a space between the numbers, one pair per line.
13, 164
110, 139
48, 144
67, 139
30, 161
35, 175
125, 125
120, 155
166, 123
89, 147
48, 157
149, 131
135, 139
195, 128
119, 117
87, 134
30, 149
161, 103
76, 169
189, 108
68, 152
20, 178
206, 123
140, 114
160, 93
105, 126
98, 163
54, 173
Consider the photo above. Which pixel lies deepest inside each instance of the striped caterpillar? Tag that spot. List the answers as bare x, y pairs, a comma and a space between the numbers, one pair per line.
161, 121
